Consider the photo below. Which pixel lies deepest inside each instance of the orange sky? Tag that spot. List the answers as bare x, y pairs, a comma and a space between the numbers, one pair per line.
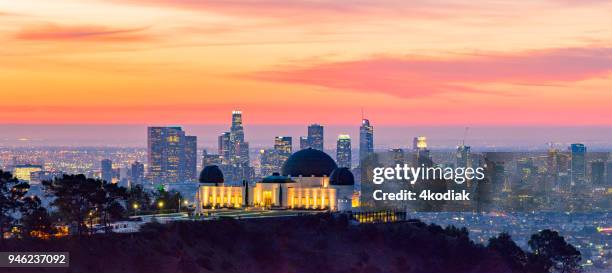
405, 62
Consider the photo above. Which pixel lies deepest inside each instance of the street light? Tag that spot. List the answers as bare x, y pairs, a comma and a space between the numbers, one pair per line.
160, 204
135, 206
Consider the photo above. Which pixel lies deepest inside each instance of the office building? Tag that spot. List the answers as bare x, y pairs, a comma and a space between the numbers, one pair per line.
106, 172
343, 151
366, 139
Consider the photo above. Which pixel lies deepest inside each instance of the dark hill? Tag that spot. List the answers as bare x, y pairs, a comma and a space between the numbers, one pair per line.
321, 244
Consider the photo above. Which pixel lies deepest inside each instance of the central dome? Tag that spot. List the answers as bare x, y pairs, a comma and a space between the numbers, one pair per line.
309, 162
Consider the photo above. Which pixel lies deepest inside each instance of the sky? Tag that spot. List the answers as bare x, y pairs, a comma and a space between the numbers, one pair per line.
413, 63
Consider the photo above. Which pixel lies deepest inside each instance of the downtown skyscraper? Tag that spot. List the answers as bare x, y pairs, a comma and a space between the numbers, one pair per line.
366, 139
343, 151
169, 154
315, 137
578, 163
106, 170
234, 151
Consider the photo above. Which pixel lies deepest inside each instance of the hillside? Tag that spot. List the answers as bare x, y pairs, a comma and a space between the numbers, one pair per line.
321, 243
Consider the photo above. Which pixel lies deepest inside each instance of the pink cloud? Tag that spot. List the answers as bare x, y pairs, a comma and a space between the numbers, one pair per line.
307, 10
88, 33
415, 77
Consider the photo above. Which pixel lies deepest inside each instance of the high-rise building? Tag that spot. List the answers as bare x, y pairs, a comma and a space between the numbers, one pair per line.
315, 136
166, 154
609, 174
235, 151
578, 163
237, 131
268, 162
283, 145
422, 156
366, 139
24, 172
137, 173
211, 159
224, 146
191, 157
304, 144
463, 156
343, 151
106, 170
597, 173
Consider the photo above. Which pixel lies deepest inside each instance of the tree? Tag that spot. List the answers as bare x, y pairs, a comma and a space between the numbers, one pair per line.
35, 220
11, 193
138, 199
107, 202
509, 251
74, 196
167, 200
561, 256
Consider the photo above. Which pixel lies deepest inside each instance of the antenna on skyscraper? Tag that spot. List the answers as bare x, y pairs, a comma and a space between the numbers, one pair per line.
465, 135
362, 113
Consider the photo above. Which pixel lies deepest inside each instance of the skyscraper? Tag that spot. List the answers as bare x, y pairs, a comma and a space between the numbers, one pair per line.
609, 173
235, 151
366, 139
191, 157
137, 173
284, 146
315, 136
304, 143
421, 152
106, 170
224, 146
166, 154
343, 151
463, 156
598, 173
578, 163
237, 131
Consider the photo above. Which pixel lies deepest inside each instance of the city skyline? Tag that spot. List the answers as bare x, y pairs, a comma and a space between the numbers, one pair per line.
439, 63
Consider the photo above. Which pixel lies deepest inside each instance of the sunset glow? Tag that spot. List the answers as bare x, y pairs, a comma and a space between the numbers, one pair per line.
294, 62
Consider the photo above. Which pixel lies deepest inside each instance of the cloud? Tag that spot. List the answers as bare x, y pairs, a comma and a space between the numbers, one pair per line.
52, 32
416, 77
307, 10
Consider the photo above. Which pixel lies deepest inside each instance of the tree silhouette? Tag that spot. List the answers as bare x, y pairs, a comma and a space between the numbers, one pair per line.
169, 200
107, 202
75, 197
509, 251
561, 256
11, 193
138, 199
35, 220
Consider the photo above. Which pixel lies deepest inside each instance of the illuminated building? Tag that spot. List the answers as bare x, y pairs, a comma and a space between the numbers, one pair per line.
419, 143
166, 154
597, 173
106, 170
366, 139
315, 137
191, 158
304, 143
213, 193
224, 146
343, 151
310, 179
421, 152
24, 172
463, 156
283, 145
137, 173
578, 163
